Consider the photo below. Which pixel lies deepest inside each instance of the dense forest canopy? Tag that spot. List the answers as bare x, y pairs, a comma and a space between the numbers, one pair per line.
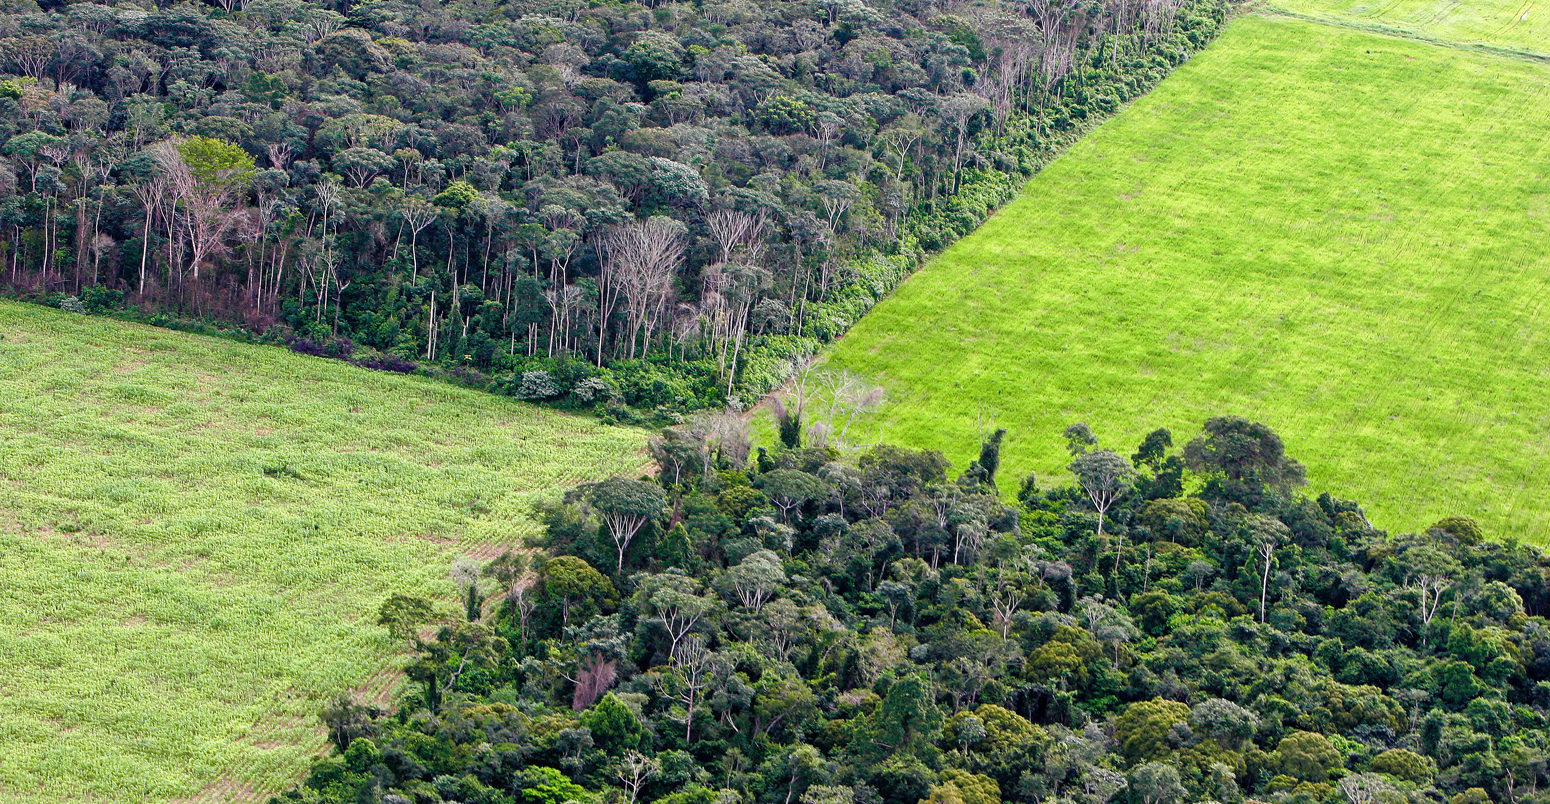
798, 625
647, 203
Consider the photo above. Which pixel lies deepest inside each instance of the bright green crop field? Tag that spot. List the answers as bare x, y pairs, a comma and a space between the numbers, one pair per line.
195, 535
1341, 234
1515, 24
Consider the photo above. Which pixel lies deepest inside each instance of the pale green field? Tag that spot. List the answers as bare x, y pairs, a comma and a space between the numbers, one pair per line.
1344, 235
171, 615
1514, 24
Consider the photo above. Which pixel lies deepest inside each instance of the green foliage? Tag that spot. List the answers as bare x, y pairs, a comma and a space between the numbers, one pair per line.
1308, 756
542, 785
655, 57
403, 616
573, 584
458, 195
805, 175
216, 162
1404, 765
614, 727
1144, 728
1242, 459
908, 721
909, 638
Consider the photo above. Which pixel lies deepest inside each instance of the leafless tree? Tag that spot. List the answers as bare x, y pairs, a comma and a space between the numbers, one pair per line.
1267, 534
689, 677
593, 677
633, 771
731, 287
1157, 17
847, 396
152, 194
640, 259
1364, 788
726, 437
734, 230
206, 210
417, 214
31, 55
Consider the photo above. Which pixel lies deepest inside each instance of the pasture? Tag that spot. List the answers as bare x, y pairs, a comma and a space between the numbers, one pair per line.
195, 535
1342, 234
1522, 25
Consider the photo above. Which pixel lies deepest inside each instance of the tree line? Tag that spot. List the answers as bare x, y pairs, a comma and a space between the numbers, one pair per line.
799, 625
688, 195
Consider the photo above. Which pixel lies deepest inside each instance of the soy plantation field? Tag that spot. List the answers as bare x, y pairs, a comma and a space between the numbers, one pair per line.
1342, 234
195, 535
1514, 24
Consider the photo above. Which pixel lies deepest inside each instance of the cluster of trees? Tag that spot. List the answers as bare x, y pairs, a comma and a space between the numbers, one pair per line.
799, 626
512, 184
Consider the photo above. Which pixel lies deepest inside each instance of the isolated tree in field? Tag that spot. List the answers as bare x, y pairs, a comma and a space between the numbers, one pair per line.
848, 397
466, 573
626, 506
788, 419
1079, 439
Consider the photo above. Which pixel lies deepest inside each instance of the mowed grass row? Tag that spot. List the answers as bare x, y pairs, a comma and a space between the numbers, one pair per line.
1514, 24
195, 535
1341, 234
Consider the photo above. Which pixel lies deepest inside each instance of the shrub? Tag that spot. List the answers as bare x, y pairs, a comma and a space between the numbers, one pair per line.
537, 385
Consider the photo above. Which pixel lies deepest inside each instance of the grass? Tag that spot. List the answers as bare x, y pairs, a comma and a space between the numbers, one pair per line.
195, 534
1522, 25
1342, 234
